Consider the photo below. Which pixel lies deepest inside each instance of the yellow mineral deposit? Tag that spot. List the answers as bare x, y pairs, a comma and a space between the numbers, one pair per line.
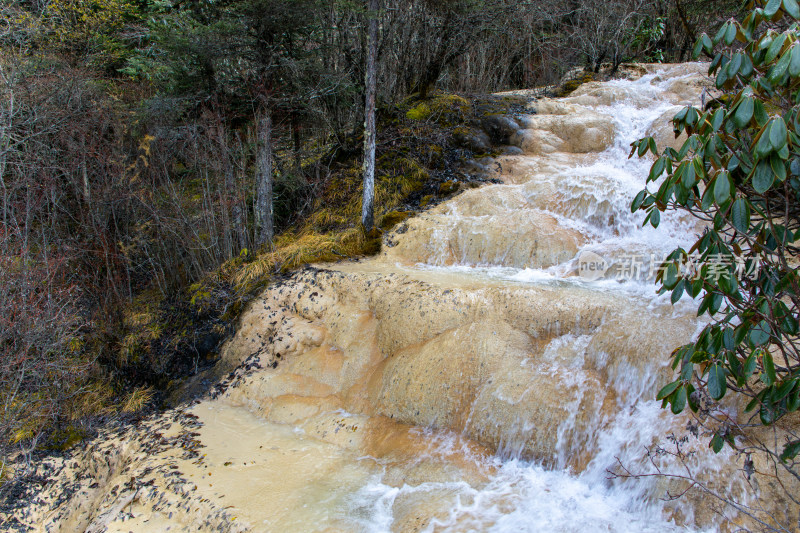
471, 378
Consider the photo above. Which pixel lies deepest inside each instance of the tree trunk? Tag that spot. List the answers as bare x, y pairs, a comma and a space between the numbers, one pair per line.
368, 204
5, 135
230, 248
263, 211
688, 27
239, 211
295, 124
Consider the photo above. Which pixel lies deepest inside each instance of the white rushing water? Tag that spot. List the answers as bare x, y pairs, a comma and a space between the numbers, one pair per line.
594, 198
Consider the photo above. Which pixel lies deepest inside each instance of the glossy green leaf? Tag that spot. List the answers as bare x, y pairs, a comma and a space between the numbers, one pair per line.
793, 403
760, 114
657, 169
722, 189
740, 215
792, 8
726, 283
783, 390
655, 218
637, 202
747, 67
780, 68
707, 44
721, 33
759, 335
708, 199
717, 385
778, 167
763, 177
778, 133
642, 147
667, 390
750, 364
687, 372
717, 119
735, 64
679, 400
771, 8
677, 292
698, 47
689, 176
744, 112
763, 146
717, 442
670, 278
794, 63
727, 339
752, 404
715, 303
766, 414
775, 48
730, 34
769, 369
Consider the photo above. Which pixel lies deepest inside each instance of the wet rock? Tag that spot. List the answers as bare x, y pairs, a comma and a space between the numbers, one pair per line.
475, 140
560, 128
500, 128
474, 168
512, 150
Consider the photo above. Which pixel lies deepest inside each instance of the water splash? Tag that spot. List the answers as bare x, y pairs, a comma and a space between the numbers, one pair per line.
591, 197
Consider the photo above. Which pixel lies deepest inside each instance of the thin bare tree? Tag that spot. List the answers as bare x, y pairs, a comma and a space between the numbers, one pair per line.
368, 204
263, 206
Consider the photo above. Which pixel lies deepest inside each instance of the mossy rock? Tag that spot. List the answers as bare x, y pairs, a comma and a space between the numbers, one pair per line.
572, 81
199, 297
392, 218
435, 154
237, 306
64, 438
449, 103
372, 242
449, 187
445, 109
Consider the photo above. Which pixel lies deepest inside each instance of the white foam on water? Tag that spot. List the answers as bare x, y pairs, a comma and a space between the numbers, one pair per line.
624, 176
521, 497
524, 496
593, 198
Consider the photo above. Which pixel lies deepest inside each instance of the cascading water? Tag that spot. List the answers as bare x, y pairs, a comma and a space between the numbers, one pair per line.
474, 378
590, 195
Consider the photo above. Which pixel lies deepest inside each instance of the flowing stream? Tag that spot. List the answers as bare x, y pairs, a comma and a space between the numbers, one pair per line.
488, 372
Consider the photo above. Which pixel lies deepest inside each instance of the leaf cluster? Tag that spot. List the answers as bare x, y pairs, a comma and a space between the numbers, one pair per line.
739, 172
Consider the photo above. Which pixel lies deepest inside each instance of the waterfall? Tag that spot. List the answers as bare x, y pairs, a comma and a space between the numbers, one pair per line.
588, 195
493, 370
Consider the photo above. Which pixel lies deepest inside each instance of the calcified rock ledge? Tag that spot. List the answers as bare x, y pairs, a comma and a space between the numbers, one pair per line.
489, 388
